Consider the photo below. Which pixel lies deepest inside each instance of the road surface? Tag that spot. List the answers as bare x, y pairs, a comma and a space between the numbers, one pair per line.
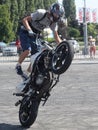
73, 104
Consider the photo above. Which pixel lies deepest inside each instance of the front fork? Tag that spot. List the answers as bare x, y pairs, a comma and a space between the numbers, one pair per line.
55, 80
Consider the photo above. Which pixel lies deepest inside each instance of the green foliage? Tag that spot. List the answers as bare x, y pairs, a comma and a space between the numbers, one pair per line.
14, 14
29, 5
49, 39
92, 29
70, 14
6, 33
73, 32
47, 3
74, 24
70, 9
21, 7
12, 10
38, 4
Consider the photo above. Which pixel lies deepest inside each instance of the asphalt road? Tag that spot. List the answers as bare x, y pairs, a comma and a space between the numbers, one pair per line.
73, 104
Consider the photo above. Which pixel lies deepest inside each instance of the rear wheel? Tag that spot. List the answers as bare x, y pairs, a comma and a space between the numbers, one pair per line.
28, 112
62, 57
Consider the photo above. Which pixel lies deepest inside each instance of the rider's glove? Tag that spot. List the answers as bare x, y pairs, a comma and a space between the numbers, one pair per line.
31, 33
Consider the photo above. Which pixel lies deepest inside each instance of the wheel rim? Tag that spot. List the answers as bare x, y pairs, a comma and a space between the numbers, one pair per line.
59, 57
24, 117
25, 113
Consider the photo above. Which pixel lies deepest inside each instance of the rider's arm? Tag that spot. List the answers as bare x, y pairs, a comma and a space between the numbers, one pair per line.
54, 28
57, 38
26, 21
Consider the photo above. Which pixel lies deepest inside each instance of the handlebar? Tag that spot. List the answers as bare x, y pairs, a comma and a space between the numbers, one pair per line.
39, 41
46, 44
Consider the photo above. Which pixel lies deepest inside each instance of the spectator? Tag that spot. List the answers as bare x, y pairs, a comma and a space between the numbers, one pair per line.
92, 47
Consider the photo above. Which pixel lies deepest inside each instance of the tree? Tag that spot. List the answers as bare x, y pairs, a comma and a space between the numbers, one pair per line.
30, 5
92, 29
21, 8
14, 14
6, 33
16, 9
70, 9
47, 3
70, 14
62, 28
38, 4
73, 32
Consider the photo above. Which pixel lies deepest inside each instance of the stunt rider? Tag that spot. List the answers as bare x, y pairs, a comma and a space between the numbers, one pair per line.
35, 23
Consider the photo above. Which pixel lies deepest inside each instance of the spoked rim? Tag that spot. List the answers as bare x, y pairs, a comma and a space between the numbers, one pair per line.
60, 57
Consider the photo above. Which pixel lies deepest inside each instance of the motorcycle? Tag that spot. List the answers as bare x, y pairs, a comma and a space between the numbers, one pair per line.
48, 65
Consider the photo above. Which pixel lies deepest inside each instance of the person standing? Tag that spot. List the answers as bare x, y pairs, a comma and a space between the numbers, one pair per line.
92, 44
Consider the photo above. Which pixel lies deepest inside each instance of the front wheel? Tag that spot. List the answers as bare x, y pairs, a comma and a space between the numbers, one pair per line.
62, 57
28, 112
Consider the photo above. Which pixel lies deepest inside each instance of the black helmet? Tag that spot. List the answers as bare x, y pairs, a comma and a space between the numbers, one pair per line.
57, 9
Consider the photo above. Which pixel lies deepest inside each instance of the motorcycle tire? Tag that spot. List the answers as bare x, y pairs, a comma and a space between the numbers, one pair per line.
28, 112
62, 57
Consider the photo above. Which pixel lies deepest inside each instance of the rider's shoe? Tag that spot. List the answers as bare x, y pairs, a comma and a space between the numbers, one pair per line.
24, 77
19, 70
21, 86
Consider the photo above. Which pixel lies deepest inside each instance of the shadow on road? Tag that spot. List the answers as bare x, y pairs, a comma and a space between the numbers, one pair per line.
4, 126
